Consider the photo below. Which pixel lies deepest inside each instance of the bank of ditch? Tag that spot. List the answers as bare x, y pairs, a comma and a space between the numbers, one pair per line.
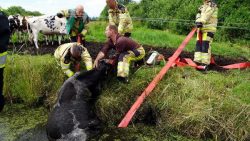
186, 105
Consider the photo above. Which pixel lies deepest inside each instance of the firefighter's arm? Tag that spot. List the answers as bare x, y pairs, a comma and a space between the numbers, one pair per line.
66, 69
122, 23
204, 16
87, 59
84, 31
86, 21
111, 20
100, 56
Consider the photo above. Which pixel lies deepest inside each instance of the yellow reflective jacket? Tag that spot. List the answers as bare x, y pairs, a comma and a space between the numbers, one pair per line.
61, 55
208, 16
121, 18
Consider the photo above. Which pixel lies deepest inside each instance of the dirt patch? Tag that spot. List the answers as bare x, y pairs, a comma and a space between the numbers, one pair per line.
94, 47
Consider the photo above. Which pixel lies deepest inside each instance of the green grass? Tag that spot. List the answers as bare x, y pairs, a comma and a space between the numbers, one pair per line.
187, 104
167, 39
30, 78
186, 101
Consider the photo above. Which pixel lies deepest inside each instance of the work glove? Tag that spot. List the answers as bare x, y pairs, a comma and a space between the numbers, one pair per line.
59, 15
199, 24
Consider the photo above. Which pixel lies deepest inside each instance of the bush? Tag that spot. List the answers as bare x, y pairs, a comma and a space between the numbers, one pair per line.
179, 16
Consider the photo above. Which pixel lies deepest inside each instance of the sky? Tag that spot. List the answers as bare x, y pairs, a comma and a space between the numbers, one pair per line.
51, 7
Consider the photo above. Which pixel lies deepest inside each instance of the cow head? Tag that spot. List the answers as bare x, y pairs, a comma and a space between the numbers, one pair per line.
62, 22
15, 22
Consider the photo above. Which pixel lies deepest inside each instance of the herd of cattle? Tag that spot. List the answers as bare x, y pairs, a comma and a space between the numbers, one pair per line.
47, 25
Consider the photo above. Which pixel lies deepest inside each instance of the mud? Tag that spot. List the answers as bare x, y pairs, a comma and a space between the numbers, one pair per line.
94, 47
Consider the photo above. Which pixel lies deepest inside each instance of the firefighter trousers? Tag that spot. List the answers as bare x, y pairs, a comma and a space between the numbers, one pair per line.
203, 48
125, 58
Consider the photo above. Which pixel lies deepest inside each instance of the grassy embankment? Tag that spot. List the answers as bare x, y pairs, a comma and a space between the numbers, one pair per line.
186, 105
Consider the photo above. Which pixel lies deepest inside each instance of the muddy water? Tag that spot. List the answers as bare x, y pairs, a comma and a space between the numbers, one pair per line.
22, 123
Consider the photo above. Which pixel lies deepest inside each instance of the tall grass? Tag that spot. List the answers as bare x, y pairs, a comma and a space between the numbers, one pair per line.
193, 104
29, 79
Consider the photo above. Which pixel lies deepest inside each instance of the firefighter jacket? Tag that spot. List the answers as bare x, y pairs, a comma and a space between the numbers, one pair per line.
75, 25
207, 15
62, 55
121, 18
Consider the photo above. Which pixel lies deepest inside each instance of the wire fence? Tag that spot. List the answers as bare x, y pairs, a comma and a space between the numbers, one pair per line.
243, 26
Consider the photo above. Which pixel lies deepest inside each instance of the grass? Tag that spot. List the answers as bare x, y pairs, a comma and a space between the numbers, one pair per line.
186, 105
166, 39
193, 104
30, 79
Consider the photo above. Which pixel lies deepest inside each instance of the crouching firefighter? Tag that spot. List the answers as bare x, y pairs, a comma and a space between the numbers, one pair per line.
69, 57
206, 23
77, 20
127, 50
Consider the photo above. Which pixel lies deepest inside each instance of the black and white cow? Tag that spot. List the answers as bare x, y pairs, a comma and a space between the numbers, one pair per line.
72, 118
18, 24
47, 25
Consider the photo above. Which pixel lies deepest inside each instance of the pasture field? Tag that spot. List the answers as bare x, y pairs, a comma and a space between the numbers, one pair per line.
186, 105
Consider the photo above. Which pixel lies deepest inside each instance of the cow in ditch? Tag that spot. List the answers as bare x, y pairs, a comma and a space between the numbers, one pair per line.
73, 117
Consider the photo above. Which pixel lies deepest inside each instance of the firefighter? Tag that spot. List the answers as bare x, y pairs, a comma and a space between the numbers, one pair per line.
69, 57
4, 41
206, 23
119, 16
76, 23
127, 50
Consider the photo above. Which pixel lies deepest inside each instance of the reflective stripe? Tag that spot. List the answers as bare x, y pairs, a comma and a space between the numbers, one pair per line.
69, 73
205, 58
65, 66
87, 59
3, 57
122, 69
88, 65
197, 57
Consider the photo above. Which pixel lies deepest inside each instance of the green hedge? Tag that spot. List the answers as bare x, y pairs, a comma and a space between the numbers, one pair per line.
179, 16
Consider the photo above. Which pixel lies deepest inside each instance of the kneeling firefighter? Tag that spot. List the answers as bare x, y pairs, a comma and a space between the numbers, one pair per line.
69, 57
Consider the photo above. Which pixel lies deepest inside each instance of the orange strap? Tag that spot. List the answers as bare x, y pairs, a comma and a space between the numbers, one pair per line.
189, 62
125, 121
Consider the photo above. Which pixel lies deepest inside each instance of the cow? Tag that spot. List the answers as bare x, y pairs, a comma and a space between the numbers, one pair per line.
47, 25
73, 117
18, 24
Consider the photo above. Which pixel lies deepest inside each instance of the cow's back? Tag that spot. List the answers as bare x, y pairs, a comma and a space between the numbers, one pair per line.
48, 24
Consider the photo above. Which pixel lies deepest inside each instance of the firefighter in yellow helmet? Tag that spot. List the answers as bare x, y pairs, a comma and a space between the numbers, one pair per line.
77, 20
206, 22
127, 50
119, 16
70, 55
